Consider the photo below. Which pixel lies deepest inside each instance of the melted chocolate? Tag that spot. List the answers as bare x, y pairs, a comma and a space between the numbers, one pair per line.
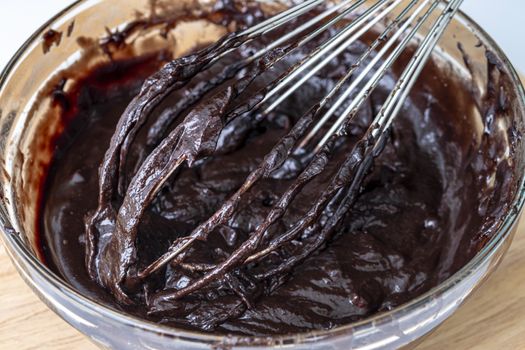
50, 38
320, 245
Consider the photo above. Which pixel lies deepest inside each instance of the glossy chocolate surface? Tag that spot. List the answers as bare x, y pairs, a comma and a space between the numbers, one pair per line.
416, 219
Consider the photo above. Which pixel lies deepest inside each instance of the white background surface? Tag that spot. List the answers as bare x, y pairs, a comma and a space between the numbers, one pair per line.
503, 19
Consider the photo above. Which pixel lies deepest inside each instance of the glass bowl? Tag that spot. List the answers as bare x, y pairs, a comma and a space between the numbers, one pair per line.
26, 129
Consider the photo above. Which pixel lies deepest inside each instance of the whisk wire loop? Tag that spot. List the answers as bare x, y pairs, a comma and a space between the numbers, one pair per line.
394, 39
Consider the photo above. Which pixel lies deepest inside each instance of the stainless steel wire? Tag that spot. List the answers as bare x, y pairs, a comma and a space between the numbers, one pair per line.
393, 40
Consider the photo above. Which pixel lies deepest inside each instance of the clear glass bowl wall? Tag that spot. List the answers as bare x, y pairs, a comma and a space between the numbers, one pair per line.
25, 149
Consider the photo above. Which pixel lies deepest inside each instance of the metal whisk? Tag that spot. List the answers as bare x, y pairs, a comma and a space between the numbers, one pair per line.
112, 232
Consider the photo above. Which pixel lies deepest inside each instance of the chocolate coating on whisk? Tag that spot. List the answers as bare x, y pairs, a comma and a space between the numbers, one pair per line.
335, 252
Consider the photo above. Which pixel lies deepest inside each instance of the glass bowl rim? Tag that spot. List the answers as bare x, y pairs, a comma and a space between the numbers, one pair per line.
15, 245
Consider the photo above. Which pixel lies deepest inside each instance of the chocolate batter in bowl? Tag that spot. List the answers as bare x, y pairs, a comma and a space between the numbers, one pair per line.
434, 216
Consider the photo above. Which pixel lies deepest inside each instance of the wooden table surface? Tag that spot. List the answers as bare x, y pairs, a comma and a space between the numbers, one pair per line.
492, 319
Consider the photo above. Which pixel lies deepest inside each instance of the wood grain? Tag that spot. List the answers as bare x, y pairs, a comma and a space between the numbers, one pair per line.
25, 322
492, 319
